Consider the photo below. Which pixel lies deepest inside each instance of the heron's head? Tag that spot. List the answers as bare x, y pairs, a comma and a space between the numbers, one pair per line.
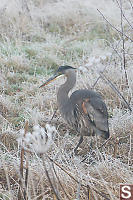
63, 70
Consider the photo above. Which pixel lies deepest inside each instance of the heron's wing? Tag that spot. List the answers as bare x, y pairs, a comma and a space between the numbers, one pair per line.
92, 109
96, 111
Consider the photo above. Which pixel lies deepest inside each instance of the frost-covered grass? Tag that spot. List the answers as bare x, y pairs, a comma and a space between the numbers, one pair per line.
35, 38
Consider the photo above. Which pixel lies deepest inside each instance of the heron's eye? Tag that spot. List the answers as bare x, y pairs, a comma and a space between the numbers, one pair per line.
60, 73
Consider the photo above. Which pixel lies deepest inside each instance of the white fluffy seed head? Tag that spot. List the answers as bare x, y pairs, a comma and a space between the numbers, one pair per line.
39, 140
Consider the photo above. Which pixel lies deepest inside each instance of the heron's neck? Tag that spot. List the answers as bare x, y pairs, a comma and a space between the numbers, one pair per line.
62, 95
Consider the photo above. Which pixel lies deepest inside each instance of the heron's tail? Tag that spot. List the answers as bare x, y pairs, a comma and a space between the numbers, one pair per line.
105, 134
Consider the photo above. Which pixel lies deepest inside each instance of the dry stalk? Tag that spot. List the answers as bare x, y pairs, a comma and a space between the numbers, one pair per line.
102, 194
21, 191
53, 115
116, 90
56, 196
123, 35
116, 147
99, 147
26, 175
130, 149
106, 142
78, 191
114, 26
88, 192
26, 9
60, 183
120, 6
131, 4
7, 179
123, 44
114, 51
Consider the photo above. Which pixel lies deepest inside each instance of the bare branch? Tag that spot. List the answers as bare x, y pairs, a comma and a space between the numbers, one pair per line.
116, 147
22, 168
53, 115
113, 26
26, 9
130, 149
116, 90
131, 3
51, 184
88, 191
123, 45
26, 175
99, 147
114, 50
64, 170
82, 185
60, 182
120, 6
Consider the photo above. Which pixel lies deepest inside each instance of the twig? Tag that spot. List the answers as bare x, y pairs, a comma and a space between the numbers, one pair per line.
22, 167
78, 191
88, 192
114, 50
26, 176
99, 147
47, 174
105, 142
121, 138
131, 4
21, 174
120, 6
113, 26
82, 185
53, 115
60, 182
116, 147
123, 45
64, 170
102, 194
116, 90
26, 9
130, 149
7, 179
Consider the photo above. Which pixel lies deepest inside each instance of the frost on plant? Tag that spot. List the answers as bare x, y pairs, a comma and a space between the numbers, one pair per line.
39, 140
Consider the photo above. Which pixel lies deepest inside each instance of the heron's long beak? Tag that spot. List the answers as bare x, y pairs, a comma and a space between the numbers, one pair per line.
49, 80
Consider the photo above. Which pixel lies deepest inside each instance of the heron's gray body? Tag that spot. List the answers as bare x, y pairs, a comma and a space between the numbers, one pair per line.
84, 110
93, 118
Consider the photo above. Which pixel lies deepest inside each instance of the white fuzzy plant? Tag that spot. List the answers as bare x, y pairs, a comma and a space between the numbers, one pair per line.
39, 141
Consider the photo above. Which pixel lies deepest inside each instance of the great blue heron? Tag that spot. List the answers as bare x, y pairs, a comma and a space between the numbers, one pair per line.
84, 110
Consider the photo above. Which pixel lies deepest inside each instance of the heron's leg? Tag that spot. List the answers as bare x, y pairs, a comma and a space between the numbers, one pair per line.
80, 141
91, 144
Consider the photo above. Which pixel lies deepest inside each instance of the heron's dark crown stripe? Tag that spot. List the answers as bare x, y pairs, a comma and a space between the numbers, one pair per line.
63, 68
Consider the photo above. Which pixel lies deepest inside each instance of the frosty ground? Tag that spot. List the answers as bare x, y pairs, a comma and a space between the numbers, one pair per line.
36, 37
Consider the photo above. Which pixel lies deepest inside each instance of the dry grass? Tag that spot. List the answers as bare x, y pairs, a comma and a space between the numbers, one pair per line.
35, 38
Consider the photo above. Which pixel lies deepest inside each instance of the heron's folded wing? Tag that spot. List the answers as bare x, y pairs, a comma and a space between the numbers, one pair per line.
96, 110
